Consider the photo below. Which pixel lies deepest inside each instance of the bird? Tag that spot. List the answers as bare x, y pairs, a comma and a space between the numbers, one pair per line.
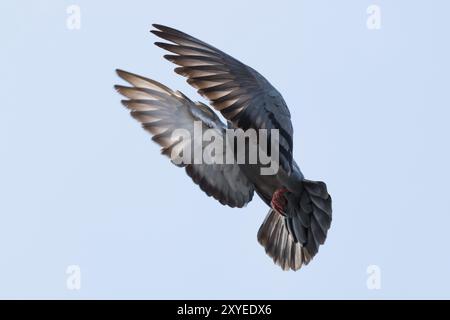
300, 210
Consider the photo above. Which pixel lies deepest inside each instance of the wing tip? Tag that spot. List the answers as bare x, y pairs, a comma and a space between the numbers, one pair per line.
122, 73
118, 87
156, 32
165, 29
171, 57
158, 26
162, 45
125, 103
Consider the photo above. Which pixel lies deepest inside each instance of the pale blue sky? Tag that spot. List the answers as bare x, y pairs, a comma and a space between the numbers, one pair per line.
82, 184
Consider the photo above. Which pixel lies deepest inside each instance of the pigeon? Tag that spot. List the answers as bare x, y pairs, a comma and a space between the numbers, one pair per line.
300, 211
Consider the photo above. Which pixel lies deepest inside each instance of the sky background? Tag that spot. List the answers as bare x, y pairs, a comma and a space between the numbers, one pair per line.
82, 184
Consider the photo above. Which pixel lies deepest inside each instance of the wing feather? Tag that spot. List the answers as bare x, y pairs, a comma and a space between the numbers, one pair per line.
240, 93
161, 111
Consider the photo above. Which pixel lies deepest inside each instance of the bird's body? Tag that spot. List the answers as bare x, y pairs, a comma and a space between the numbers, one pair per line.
300, 209
266, 185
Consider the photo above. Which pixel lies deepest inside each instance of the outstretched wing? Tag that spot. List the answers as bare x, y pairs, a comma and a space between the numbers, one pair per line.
162, 111
240, 93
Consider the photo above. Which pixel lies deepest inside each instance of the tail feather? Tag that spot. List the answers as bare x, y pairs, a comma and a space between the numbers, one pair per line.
293, 239
274, 236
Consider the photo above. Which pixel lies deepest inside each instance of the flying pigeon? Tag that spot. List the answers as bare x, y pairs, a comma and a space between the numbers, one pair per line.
300, 209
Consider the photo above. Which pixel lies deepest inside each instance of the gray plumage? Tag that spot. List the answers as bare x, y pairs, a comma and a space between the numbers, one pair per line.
247, 100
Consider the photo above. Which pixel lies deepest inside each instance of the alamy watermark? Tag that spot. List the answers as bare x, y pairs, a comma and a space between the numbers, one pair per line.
73, 281
374, 277
374, 17
212, 146
73, 21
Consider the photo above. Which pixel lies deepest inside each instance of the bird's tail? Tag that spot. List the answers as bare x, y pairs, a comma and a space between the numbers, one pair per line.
292, 238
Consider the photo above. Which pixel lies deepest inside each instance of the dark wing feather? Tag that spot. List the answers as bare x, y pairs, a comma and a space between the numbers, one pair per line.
240, 93
161, 111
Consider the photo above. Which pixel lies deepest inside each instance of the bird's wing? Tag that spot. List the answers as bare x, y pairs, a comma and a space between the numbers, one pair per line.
161, 111
240, 93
